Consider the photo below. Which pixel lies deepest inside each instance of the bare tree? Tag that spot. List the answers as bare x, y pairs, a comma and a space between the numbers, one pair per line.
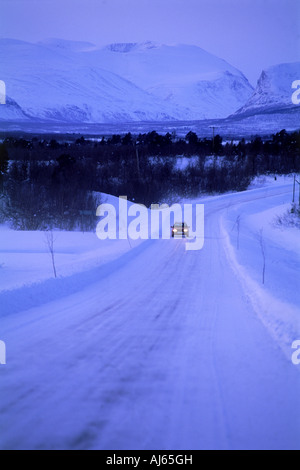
50, 245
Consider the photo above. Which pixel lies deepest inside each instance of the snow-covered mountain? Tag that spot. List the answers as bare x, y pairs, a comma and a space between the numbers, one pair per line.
11, 111
195, 83
274, 91
59, 80
55, 84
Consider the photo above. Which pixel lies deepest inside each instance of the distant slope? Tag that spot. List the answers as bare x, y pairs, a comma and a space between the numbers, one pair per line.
274, 91
64, 81
52, 85
201, 85
11, 111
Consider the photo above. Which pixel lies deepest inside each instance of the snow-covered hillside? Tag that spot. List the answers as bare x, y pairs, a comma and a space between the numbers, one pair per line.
193, 81
274, 90
11, 111
76, 82
52, 85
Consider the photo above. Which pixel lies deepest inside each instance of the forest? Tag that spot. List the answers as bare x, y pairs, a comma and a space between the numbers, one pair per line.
48, 183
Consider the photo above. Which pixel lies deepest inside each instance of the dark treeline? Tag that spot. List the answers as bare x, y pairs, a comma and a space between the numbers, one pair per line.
47, 184
151, 144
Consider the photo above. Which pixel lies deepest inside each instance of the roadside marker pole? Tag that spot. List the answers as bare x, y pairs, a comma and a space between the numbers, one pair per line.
294, 188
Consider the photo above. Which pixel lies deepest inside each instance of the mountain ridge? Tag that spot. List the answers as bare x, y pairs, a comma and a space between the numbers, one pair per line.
273, 91
71, 80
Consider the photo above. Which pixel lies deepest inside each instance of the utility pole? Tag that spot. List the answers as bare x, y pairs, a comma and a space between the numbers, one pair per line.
213, 141
138, 162
294, 189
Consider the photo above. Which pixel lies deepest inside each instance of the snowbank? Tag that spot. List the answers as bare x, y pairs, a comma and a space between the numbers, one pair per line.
276, 298
25, 258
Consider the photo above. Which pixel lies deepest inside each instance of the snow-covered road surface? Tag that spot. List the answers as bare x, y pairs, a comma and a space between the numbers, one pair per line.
163, 352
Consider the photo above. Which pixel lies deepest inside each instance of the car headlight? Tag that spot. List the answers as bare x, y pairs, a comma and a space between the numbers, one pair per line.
174, 229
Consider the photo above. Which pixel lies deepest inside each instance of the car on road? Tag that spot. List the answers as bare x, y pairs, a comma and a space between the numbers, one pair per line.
180, 229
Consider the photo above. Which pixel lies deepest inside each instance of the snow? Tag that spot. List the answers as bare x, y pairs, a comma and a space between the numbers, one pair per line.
198, 83
155, 347
62, 44
231, 128
74, 86
11, 111
267, 180
183, 162
74, 252
65, 81
273, 90
277, 301
25, 255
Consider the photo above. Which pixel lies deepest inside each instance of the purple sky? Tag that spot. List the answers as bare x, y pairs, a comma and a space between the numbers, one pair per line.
250, 34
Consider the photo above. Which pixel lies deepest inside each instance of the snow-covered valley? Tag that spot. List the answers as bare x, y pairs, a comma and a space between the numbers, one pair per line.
144, 345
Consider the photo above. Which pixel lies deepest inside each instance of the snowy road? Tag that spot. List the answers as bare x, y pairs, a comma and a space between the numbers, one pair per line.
163, 352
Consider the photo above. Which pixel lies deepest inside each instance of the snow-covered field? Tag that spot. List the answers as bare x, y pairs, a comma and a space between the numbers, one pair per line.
144, 345
25, 257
